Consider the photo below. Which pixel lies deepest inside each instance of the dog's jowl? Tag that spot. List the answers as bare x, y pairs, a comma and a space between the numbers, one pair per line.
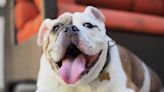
78, 56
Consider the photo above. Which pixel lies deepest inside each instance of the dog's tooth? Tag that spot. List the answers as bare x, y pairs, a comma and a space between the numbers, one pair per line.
57, 66
90, 65
84, 73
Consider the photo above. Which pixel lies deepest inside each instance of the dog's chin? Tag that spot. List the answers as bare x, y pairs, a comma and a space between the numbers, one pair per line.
75, 64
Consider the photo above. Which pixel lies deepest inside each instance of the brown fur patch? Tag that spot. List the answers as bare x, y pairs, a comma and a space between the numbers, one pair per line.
46, 52
46, 49
104, 76
131, 85
132, 65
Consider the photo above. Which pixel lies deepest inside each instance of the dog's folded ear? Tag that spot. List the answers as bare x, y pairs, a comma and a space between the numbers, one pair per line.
94, 12
65, 17
44, 31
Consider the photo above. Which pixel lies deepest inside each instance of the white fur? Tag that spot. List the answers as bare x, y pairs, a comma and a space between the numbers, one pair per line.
147, 79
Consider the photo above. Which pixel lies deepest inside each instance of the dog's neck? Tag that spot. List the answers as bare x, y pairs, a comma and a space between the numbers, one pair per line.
108, 53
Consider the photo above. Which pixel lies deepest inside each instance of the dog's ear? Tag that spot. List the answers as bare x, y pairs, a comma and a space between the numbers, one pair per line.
94, 12
65, 17
44, 31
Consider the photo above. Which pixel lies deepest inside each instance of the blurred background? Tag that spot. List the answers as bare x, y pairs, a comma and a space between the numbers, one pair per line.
135, 24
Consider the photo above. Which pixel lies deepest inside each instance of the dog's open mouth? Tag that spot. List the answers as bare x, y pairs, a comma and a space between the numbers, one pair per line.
75, 64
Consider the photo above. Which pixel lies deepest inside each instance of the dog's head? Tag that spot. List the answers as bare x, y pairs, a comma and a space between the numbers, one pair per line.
76, 44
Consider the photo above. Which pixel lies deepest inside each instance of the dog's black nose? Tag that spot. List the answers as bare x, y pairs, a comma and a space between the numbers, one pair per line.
74, 28
71, 30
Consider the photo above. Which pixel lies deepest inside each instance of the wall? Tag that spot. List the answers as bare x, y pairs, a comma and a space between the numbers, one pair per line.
2, 27
1, 52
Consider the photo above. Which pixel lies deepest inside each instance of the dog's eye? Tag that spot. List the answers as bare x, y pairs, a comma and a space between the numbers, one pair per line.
88, 25
55, 28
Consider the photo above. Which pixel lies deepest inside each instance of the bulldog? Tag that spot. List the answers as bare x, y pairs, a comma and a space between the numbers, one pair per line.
78, 56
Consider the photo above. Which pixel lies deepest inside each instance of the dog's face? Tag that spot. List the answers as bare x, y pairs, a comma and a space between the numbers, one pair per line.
75, 44
91, 34
53, 37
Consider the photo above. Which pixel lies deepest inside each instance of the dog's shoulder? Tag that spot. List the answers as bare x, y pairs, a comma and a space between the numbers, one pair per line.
132, 66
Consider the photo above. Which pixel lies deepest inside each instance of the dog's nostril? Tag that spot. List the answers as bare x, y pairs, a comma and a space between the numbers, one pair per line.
74, 28
66, 29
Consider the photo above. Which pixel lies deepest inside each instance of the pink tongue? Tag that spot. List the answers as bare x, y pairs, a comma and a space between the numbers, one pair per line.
71, 70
